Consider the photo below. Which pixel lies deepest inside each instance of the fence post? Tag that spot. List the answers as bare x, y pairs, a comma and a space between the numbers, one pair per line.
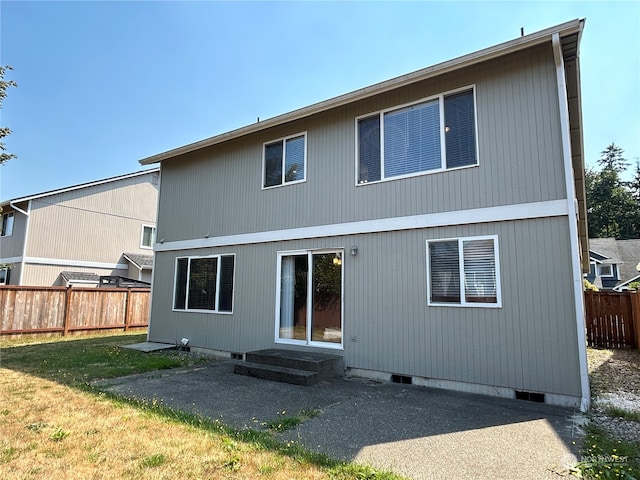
127, 311
635, 315
67, 311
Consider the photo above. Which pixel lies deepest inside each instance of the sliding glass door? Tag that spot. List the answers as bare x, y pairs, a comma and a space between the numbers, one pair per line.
309, 303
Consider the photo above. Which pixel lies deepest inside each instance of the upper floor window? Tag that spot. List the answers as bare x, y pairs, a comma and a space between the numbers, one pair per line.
605, 270
284, 161
425, 137
7, 224
5, 273
204, 283
148, 236
463, 271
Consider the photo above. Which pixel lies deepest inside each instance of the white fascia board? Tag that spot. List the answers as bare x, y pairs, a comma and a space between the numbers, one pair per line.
552, 208
74, 263
627, 282
486, 54
77, 187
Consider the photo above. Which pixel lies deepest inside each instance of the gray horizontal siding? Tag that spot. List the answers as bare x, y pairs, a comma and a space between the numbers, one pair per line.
519, 155
530, 343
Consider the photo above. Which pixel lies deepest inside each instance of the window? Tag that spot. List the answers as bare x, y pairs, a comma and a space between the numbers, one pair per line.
148, 236
5, 273
463, 272
430, 136
605, 270
7, 224
204, 283
284, 161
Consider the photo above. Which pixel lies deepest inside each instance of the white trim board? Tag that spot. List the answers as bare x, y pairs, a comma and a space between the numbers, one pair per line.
578, 285
11, 260
552, 208
74, 263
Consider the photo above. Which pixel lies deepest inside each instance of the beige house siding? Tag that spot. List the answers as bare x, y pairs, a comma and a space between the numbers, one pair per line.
83, 229
11, 246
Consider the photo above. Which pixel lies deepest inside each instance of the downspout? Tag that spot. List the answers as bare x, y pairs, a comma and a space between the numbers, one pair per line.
27, 214
572, 203
153, 261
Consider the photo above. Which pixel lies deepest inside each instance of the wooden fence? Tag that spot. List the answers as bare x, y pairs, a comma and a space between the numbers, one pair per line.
67, 309
612, 319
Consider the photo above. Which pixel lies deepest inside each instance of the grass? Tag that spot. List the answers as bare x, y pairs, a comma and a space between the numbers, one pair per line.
605, 458
284, 422
56, 425
622, 413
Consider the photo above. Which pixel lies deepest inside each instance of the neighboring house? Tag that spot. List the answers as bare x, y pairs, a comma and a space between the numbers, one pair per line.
74, 235
428, 228
614, 264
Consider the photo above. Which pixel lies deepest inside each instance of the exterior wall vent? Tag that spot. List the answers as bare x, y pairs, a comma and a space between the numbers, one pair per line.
402, 379
530, 396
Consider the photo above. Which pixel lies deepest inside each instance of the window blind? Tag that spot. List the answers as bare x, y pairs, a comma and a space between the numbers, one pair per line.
444, 262
412, 139
460, 133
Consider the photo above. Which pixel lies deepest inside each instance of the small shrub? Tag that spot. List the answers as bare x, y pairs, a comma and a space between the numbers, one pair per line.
590, 286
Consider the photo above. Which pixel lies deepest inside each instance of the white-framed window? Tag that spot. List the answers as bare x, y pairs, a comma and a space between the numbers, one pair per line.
7, 225
284, 161
148, 236
204, 284
434, 134
605, 270
464, 272
5, 274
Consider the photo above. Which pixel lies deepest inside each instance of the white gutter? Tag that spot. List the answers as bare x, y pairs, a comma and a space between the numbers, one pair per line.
17, 208
153, 264
79, 186
26, 236
563, 108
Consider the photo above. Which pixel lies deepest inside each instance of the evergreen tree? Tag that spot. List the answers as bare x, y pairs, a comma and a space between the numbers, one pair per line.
613, 206
4, 131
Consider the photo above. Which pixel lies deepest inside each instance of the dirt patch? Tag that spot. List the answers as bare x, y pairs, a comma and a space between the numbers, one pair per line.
613, 371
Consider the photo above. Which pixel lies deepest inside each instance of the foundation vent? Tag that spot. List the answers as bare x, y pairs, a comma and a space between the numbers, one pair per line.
401, 379
530, 396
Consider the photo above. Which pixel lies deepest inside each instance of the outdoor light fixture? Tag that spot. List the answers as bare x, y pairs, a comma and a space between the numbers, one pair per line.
354, 251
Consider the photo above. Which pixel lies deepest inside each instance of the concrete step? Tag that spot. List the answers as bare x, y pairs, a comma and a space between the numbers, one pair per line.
277, 373
324, 364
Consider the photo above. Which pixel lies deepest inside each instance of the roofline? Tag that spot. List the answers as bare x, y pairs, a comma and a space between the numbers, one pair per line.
140, 267
628, 281
79, 186
520, 43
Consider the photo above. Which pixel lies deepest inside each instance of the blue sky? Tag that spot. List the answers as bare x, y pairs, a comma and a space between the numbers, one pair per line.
104, 84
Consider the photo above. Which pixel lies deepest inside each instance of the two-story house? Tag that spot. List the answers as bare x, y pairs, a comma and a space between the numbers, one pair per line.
74, 235
427, 228
614, 264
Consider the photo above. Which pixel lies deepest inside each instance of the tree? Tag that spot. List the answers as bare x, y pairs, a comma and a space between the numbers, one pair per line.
613, 209
4, 131
611, 159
